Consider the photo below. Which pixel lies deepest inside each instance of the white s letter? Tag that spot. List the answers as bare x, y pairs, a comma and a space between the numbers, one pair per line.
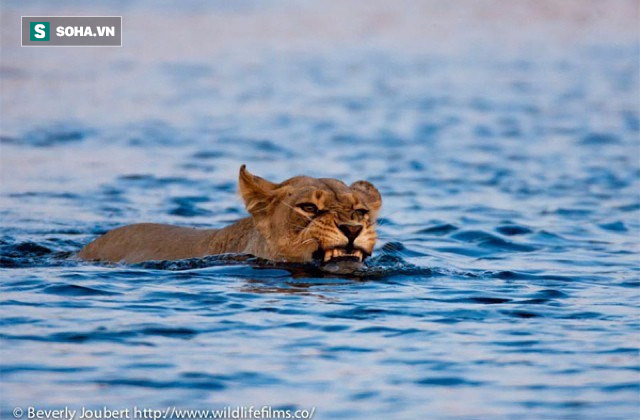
39, 28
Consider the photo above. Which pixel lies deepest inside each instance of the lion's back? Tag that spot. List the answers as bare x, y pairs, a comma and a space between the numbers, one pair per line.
145, 242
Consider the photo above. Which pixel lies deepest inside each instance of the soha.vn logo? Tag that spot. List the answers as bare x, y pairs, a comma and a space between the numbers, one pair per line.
40, 31
71, 31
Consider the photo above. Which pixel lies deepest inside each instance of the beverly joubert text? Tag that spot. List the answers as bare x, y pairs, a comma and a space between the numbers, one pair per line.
239, 412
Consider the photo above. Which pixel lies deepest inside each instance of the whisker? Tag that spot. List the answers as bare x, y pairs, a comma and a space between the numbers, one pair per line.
308, 240
294, 209
386, 216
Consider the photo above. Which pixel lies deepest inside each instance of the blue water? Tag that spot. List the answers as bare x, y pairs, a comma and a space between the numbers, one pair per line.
505, 279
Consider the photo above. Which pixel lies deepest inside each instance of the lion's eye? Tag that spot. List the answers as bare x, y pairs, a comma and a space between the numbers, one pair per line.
361, 212
308, 208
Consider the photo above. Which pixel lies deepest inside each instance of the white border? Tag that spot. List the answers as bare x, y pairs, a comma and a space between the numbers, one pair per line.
87, 46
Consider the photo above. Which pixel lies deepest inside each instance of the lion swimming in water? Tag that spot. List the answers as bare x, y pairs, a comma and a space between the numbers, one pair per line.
300, 220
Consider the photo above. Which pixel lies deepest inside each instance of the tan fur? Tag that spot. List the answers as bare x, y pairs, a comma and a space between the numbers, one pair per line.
277, 229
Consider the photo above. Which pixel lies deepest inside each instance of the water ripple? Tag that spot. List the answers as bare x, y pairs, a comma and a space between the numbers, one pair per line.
504, 281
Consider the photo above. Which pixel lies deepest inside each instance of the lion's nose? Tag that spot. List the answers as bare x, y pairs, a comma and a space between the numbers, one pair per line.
350, 231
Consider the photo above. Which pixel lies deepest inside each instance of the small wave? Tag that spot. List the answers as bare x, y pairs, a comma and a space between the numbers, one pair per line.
616, 226
438, 230
56, 134
31, 254
600, 138
487, 240
512, 230
379, 266
188, 206
448, 382
517, 275
76, 290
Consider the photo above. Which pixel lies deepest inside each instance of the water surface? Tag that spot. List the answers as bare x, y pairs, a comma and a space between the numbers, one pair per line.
504, 283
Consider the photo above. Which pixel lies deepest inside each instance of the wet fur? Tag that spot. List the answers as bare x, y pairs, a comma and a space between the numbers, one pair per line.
277, 229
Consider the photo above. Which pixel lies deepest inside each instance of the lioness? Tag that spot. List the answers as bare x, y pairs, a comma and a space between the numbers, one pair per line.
302, 219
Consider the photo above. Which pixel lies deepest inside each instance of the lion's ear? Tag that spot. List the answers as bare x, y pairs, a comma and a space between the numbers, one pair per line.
256, 192
371, 194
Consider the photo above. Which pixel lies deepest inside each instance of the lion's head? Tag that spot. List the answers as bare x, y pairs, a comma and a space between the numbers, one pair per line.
306, 219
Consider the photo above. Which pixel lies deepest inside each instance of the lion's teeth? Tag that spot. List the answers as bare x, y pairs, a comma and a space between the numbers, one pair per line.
327, 255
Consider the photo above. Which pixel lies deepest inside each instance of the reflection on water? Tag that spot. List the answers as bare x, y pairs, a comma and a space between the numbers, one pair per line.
505, 280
